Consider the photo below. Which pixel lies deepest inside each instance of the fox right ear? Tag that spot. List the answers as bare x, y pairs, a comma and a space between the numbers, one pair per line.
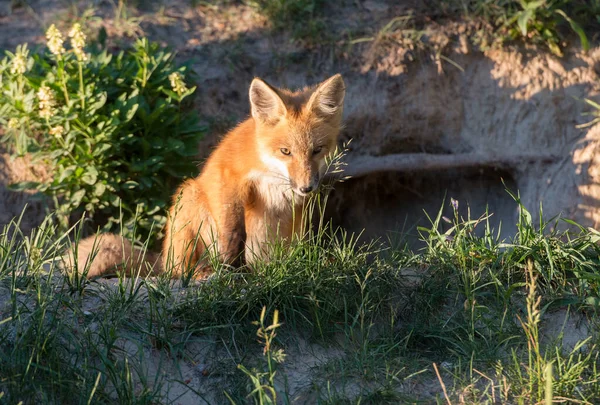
265, 104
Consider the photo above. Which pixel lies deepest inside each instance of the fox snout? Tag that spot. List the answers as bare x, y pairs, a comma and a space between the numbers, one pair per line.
307, 185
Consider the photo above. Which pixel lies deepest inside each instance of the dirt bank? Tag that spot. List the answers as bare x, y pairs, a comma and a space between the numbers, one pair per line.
424, 127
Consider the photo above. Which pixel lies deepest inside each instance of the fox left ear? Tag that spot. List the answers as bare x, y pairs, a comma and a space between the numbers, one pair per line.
328, 98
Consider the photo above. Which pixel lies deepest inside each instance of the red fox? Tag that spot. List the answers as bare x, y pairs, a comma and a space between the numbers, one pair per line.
251, 189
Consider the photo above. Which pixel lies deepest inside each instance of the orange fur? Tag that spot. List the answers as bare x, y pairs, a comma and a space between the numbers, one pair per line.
253, 185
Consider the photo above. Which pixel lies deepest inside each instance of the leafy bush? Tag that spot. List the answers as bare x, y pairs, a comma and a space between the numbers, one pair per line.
112, 128
539, 21
544, 22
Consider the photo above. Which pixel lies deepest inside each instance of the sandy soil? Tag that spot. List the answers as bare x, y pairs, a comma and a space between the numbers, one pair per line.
14, 203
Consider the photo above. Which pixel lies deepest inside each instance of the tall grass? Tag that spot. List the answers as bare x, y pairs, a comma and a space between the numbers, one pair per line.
471, 303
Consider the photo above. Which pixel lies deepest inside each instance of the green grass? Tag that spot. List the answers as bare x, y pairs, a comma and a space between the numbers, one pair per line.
356, 322
550, 23
302, 18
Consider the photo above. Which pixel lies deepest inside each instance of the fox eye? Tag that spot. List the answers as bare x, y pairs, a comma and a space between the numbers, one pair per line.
317, 150
285, 151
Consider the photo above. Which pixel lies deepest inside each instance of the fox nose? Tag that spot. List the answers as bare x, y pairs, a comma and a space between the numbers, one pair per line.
306, 189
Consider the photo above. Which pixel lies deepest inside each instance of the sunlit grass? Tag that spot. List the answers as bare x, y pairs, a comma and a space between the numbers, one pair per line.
476, 306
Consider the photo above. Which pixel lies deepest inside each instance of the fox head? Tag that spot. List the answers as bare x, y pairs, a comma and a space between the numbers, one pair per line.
297, 131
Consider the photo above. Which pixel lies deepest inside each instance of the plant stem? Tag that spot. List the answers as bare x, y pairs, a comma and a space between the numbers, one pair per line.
61, 77
81, 90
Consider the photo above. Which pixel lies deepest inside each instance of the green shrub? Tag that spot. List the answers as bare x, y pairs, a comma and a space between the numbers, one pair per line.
544, 22
111, 128
539, 21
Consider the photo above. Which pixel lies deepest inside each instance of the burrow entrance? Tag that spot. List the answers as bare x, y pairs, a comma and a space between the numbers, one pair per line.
392, 205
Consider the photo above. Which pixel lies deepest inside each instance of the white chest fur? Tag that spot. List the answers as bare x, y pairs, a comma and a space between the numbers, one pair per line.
274, 191
274, 217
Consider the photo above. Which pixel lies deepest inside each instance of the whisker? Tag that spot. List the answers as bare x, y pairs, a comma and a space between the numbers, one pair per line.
277, 175
286, 183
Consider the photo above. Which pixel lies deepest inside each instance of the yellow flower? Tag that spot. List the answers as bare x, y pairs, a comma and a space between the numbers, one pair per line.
55, 41
19, 64
13, 123
47, 101
78, 41
19, 60
177, 83
57, 131
45, 94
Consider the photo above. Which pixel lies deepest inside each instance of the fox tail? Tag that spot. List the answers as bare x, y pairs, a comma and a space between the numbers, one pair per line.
107, 255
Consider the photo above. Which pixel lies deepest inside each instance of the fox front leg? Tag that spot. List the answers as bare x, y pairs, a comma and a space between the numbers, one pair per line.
232, 234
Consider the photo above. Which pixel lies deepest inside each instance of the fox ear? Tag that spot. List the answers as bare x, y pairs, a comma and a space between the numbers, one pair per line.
265, 103
328, 98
